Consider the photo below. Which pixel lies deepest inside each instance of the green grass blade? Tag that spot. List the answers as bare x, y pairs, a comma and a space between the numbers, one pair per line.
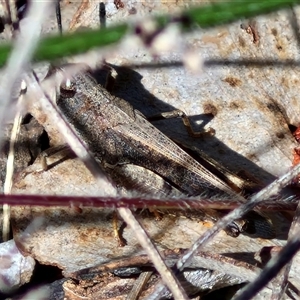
55, 47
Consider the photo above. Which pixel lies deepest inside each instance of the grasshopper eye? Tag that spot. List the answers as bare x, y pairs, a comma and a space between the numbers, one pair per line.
68, 89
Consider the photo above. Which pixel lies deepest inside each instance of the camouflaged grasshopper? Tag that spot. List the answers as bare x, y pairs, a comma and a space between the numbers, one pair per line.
135, 153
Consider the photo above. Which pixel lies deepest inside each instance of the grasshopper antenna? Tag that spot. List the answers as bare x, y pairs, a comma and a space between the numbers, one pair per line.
58, 16
102, 15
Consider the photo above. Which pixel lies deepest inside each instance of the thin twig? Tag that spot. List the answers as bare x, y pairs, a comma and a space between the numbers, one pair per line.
271, 190
10, 170
141, 202
20, 57
139, 284
271, 269
167, 276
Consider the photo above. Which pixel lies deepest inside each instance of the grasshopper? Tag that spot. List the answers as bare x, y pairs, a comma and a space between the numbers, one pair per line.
122, 140
126, 144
